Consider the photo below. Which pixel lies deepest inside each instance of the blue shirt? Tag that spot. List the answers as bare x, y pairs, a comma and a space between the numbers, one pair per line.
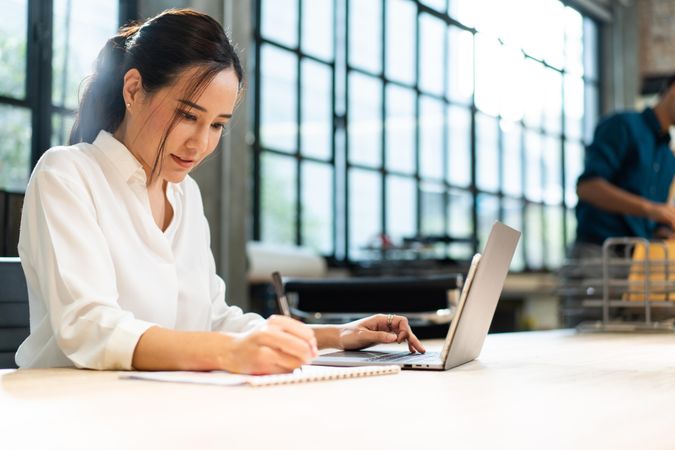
630, 151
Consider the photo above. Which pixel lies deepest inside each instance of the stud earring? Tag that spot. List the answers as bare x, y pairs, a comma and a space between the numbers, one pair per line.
128, 105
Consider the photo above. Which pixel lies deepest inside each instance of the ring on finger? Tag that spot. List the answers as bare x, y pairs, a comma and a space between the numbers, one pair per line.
390, 319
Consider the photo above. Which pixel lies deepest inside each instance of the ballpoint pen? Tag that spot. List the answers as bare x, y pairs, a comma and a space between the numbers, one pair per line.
282, 301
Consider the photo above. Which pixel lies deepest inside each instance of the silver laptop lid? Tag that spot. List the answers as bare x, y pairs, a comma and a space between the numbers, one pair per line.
470, 326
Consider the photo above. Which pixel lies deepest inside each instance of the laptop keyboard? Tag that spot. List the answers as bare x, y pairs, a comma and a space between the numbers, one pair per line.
412, 358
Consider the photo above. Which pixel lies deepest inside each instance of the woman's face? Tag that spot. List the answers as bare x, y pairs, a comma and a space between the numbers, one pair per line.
198, 129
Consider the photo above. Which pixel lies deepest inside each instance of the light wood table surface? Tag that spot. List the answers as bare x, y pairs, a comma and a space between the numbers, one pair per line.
539, 390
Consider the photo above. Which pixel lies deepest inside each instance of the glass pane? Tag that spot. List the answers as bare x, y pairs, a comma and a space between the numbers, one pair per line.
81, 29
574, 165
400, 128
460, 65
460, 223
590, 49
488, 213
278, 202
513, 75
574, 44
552, 171
555, 246
459, 146
401, 208
590, 111
13, 32
553, 40
365, 34
488, 65
431, 138
401, 20
438, 5
464, 11
15, 129
574, 107
278, 125
536, 27
340, 194
507, 22
571, 226
317, 28
512, 175
432, 39
317, 112
365, 121
533, 189
533, 95
533, 237
317, 206
279, 21
513, 217
432, 209
487, 153
552, 101
365, 207
61, 126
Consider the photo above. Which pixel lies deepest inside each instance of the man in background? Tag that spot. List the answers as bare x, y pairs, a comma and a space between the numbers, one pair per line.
624, 188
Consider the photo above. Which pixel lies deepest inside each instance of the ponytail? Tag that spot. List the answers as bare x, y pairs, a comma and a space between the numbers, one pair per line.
102, 105
159, 49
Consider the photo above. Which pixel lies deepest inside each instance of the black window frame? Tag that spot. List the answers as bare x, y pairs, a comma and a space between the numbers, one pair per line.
39, 44
341, 256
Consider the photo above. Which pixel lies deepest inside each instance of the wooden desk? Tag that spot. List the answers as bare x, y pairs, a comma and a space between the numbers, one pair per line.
538, 390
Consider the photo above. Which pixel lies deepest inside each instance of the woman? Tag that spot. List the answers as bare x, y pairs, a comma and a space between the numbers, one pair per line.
114, 242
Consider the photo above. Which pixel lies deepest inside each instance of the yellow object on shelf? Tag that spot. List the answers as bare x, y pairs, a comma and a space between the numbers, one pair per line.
659, 263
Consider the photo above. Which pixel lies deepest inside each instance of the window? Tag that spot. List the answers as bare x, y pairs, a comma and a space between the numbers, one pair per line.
409, 117
41, 72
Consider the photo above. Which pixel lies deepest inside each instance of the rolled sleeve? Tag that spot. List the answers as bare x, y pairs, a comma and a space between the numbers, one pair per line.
122, 343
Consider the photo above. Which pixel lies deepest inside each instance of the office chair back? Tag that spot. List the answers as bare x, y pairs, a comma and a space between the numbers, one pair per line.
14, 317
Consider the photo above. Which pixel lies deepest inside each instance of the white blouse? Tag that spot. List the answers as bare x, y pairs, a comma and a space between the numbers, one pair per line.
100, 271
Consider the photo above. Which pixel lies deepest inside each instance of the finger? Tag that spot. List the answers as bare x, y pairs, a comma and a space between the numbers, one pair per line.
292, 326
401, 327
286, 363
378, 337
272, 362
287, 343
400, 323
416, 344
296, 328
376, 322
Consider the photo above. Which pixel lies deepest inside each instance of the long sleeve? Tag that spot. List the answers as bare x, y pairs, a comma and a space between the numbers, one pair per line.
67, 260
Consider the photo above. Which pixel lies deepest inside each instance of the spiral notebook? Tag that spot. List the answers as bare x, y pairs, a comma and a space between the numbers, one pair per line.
303, 375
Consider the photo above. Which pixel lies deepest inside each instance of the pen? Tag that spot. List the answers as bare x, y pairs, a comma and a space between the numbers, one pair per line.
282, 301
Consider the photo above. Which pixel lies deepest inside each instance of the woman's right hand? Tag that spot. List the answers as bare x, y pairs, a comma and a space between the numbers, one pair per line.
281, 345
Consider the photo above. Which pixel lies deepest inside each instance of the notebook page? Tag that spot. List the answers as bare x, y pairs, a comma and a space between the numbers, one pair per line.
303, 375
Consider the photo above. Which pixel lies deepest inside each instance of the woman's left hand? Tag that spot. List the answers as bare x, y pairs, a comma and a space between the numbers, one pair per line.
378, 329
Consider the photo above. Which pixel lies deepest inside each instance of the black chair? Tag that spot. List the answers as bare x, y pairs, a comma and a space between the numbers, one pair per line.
14, 318
10, 219
427, 301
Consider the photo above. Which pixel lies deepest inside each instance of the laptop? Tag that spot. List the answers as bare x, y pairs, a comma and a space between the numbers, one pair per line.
469, 327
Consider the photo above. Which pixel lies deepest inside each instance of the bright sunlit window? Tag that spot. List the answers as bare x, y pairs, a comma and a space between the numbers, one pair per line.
422, 118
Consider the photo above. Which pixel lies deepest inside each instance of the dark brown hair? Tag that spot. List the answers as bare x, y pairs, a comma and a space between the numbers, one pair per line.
160, 49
